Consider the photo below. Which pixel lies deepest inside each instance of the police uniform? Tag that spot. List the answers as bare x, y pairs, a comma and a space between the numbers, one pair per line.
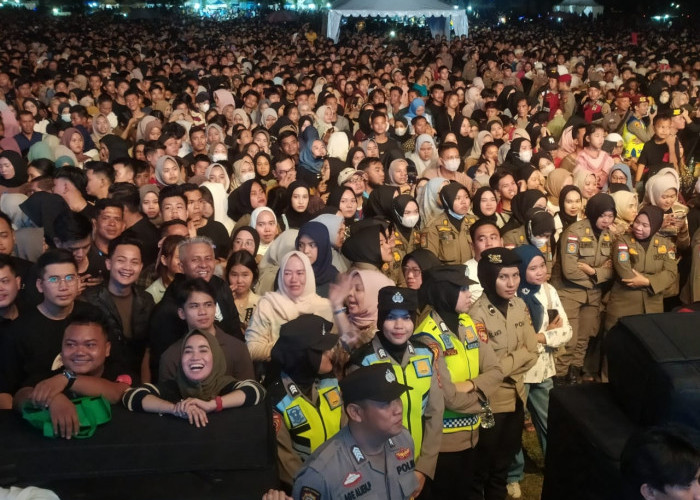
592, 111
341, 470
402, 246
634, 135
517, 237
657, 263
301, 423
450, 245
580, 293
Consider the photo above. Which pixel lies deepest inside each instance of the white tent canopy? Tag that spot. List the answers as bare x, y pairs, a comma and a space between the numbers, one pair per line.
403, 8
579, 7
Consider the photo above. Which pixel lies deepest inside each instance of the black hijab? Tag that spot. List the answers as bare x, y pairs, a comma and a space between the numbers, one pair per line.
440, 289
334, 200
488, 270
464, 143
522, 202
448, 195
293, 218
398, 206
597, 206
20, 167
239, 200
656, 220
253, 233
476, 203
324, 270
363, 245
351, 154
117, 147
379, 202
566, 219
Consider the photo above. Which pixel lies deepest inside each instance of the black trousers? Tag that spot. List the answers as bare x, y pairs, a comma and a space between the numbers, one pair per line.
494, 454
454, 474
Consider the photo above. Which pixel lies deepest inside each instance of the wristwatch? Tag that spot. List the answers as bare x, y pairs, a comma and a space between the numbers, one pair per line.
71, 376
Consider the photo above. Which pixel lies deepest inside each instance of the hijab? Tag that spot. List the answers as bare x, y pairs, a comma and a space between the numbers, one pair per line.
372, 281
666, 178
65, 141
20, 167
423, 165
428, 205
476, 203
211, 386
9, 144
323, 268
363, 246
98, 136
482, 138
160, 165
526, 290
223, 98
292, 218
413, 108
268, 112
425, 259
442, 294
464, 142
307, 303
392, 170
448, 195
351, 154
622, 201
379, 202
524, 201
307, 160
40, 150
218, 194
566, 219
332, 224
244, 117
597, 206
239, 200
338, 146
252, 232
321, 124
625, 170
117, 147
334, 200
555, 183
656, 220
487, 272
143, 130
211, 167
398, 206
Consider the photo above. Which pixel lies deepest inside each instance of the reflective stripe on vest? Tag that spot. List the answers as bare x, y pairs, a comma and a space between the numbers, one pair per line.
417, 374
462, 360
310, 426
633, 145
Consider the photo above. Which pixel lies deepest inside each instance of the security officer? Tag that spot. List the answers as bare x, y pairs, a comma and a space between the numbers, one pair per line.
447, 235
548, 95
469, 373
645, 264
581, 274
537, 231
635, 132
307, 407
593, 106
509, 330
373, 457
412, 363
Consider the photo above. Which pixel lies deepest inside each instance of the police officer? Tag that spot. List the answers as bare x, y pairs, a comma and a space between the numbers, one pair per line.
469, 373
447, 235
537, 231
593, 107
412, 363
373, 457
645, 263
635, 132
509, 330
581, 274
307, 407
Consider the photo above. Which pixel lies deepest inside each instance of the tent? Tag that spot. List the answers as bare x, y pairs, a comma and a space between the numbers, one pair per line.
579, 7
438, 14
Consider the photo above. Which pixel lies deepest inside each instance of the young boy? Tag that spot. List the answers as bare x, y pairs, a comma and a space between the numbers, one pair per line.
663, 150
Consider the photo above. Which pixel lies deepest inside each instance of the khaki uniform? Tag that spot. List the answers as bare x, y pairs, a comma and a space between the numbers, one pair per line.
691, 290
517, 237
515, 344
449, 245
657, 263
339, 469
580, 293
402, 246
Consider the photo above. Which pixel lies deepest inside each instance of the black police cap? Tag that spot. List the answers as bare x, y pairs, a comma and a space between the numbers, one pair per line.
394, 297
310, 331
500, 257
454, 274
374, 382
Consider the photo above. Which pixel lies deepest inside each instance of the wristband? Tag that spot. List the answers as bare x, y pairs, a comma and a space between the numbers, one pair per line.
219, 404
341, 310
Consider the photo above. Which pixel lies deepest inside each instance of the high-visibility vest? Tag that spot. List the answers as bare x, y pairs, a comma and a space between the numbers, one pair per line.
311, 425
462, 360
417, 374
633, 145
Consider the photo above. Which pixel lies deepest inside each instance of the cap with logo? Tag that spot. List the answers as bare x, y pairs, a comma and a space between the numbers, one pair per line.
394, 297
548, 143
375, 382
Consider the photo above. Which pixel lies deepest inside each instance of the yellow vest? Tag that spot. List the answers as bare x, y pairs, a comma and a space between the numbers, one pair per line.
462, 360
417, 373
633, 145
309, 425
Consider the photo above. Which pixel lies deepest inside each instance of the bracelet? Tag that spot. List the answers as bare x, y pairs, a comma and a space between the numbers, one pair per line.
341, 310
219, 404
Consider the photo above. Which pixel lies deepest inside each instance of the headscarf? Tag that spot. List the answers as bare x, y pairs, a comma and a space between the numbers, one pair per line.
251, 230
237, 165
656, 219
147, 123
473, 101
666, 178
218, 194
448, 194
211, 386
441, 288
117, 147
482, 138
43, 208
566, 219
310, 286
223, 98
40, 150
372, 281
429, 207
97, 135
538, 222
244, 117
566, 142
20, 167
392, 170
65, 141
555, 183
398, 206
379, 202
64, 156
597, 206
222, 134
580, 178
413, 108
211, 167
363, 246
332, 224
351, 154
625, 170
524, 201
622, 201
421, 165
338, 146
160, 164
476, 203
239, 200
324, 270
425, 259
307, 160
294, 219
321, 124
487, 272
526, 290
365, 144
464, 142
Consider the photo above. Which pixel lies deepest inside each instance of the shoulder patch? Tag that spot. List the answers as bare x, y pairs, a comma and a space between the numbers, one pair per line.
481, 332
276, 421
307, 493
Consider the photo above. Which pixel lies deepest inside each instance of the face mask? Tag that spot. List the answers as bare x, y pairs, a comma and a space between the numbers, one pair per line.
452, 165
539, 241
204, 107
409, 220
400, 131
546, 170
247, 176
454, 214
217, 157
65, 117
663, 98
526, 156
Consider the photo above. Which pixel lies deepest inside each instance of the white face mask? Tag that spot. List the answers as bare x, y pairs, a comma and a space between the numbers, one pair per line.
539, 241
526, 156
247, 176
400, 131
65, 117
547, 169
409, 220
452, 165
204, 107
217, 157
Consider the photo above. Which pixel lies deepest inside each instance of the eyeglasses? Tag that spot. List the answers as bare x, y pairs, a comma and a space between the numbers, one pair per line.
68, 279
415, 271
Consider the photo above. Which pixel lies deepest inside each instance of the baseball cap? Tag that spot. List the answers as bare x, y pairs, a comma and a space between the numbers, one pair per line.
375, 382
347, 173
548, 143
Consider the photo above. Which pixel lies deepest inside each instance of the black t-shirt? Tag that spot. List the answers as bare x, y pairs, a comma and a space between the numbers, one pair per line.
217, 232
148, 235
89, 211
656, 156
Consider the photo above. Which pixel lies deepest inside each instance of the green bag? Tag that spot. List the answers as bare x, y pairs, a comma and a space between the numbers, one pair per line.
92, 411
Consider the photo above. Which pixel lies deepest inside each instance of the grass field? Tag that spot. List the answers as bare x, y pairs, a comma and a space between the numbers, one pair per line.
531, 486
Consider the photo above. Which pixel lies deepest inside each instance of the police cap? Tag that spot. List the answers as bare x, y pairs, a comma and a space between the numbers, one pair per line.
310, 331
394, 297
454, 274
500, 257
374, 382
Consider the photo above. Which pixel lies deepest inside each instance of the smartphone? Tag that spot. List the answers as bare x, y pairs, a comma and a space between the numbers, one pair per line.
553, 314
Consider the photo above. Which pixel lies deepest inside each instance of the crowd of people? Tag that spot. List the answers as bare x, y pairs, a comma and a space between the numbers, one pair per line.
404, 243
